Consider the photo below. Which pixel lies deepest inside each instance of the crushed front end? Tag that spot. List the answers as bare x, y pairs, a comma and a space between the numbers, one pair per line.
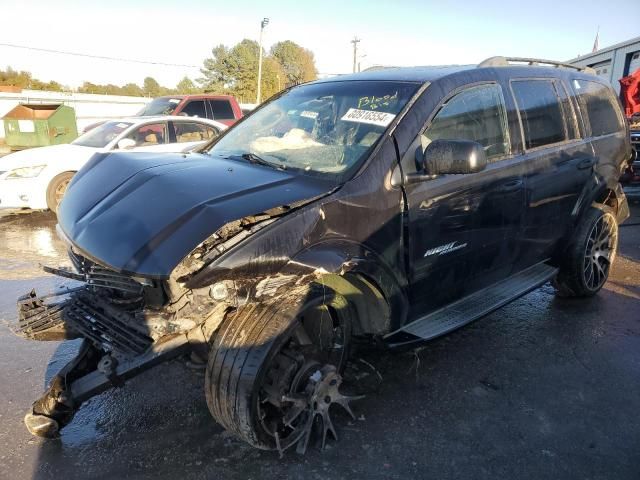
128, 324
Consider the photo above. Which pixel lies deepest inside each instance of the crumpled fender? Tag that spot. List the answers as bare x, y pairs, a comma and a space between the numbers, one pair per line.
342, 256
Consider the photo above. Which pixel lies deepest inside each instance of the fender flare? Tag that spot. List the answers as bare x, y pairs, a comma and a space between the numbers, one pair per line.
597, 191
606, 193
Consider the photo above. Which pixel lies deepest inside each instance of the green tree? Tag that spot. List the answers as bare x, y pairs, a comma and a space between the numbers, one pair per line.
243, 63
14, 78
111, 89
235, 70
88, 87
298, 63
151, 87
132, 90
274, 77
215, 70
186, 86
53, 86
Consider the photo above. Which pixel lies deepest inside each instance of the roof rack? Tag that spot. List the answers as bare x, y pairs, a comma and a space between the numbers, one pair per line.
506, 61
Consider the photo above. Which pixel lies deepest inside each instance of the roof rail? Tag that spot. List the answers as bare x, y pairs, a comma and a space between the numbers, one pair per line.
506, 61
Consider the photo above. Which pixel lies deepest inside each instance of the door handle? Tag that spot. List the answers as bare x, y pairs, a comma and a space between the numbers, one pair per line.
586, 163
511, 186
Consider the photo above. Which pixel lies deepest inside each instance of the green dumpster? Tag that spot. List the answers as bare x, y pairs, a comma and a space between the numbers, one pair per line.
31, 125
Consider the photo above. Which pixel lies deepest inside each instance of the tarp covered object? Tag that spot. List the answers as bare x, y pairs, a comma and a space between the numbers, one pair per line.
630, 92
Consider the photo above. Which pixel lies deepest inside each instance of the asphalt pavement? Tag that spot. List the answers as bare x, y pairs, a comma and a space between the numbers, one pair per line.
542, 388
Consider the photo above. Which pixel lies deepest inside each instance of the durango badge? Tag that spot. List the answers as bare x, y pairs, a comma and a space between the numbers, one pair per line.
446, 248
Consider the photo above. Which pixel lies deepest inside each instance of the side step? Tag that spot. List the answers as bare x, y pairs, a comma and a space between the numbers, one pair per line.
472, 307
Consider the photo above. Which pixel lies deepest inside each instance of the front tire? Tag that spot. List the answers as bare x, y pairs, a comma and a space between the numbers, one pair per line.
587, 264
265, 352
56, 190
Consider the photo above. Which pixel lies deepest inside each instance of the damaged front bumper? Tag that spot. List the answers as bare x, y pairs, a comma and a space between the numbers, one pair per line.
121, 338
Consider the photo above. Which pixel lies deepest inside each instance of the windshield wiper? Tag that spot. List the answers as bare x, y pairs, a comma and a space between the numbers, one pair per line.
255, 159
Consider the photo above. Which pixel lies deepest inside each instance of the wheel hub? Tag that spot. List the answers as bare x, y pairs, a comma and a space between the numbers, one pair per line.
600, 252
322, 393
60, 191
313, 390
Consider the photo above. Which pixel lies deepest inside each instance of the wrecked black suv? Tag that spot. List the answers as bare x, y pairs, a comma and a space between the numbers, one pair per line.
393, 205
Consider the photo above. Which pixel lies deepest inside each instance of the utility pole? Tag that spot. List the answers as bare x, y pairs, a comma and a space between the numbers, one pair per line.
355, 42
263, 23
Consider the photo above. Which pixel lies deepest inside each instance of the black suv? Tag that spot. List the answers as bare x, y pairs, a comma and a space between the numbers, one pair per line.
392, 205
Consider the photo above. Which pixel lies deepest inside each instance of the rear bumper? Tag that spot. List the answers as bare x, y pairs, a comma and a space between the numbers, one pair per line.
623, 205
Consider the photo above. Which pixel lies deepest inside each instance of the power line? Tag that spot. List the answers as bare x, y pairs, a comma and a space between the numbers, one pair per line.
101, 57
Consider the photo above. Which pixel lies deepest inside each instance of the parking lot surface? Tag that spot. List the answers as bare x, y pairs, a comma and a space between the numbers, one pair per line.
542, 388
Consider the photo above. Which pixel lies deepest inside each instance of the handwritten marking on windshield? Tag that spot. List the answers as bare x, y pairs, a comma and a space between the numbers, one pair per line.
372, 102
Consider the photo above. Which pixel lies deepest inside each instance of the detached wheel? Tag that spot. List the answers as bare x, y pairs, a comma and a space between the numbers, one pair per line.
274, 368
590, 256
57, 188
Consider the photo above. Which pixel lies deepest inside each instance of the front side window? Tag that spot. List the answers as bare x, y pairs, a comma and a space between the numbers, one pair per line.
540, 111
149, 135
195, 108
477, 114
193, 132
599, 107
102, 135
324, 128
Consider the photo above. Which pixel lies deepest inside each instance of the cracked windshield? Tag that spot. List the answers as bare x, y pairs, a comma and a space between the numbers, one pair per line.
325, 128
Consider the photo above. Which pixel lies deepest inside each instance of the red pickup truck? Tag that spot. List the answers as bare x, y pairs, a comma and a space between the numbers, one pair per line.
222, 108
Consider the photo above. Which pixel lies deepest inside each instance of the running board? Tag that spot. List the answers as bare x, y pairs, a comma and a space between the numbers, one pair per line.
472, 307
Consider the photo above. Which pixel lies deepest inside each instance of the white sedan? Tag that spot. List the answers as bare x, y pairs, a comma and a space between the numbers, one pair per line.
38, 177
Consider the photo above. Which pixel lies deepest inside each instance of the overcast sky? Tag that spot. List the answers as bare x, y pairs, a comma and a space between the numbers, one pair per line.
392, 33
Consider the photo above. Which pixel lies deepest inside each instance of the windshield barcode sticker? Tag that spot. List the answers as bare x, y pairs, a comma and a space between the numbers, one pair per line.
309, 114
367, 116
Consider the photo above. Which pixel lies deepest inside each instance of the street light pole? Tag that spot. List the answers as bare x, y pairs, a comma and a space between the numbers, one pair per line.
263, 23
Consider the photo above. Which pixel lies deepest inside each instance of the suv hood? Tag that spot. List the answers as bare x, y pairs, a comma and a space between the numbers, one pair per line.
143, 213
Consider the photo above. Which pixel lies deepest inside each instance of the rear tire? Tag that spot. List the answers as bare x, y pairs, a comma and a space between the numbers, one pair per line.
56, 190
255, 351
588, 260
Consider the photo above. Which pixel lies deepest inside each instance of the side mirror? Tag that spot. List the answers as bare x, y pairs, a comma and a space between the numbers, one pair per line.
453, 156
126, 143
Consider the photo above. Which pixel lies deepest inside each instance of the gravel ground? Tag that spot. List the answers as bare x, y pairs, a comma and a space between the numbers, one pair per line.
542, 388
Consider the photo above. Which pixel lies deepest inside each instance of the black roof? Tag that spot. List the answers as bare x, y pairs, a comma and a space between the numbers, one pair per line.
433, 73
406, 74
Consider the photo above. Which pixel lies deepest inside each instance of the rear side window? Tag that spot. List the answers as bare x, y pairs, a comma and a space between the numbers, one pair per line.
221, 110
599, 106
193, 132
541, 112
477, 114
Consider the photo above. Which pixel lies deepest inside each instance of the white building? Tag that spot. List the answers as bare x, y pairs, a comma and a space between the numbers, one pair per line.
614, 62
